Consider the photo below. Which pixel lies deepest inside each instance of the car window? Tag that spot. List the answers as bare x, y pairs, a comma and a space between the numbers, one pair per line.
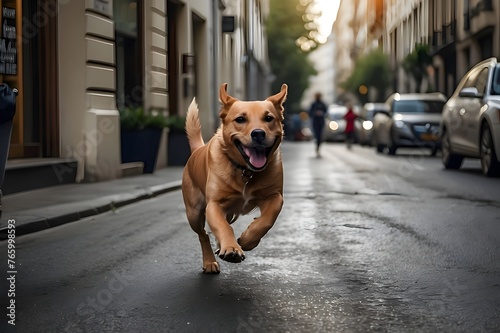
482, 81
336, 113
495, 84
470, 80
417, 106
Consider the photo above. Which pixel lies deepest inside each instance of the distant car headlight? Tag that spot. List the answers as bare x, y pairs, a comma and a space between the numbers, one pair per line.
333, 125
367, 125
306, 132
399, 124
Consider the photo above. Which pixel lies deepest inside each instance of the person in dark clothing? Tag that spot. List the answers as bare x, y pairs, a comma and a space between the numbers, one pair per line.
317, 114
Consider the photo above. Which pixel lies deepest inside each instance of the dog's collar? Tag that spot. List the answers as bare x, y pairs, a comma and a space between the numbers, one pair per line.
245, 172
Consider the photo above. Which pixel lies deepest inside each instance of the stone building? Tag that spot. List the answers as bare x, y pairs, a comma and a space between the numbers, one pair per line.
77, 62
459, 34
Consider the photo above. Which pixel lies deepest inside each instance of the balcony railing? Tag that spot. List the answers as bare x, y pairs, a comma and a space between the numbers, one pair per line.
482, 6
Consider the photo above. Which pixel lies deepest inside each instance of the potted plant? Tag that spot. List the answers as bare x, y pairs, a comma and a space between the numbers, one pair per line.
140, 136
178, 145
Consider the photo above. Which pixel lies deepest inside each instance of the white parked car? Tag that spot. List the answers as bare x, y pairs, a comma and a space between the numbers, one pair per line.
412, 121
470, 125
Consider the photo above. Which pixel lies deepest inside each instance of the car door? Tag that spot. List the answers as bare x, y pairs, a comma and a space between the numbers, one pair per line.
473, 112
459, 108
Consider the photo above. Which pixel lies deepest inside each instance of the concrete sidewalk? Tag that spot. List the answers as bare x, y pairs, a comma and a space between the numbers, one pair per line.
49, 207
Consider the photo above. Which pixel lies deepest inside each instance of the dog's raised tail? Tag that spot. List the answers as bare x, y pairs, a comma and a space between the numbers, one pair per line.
193, 127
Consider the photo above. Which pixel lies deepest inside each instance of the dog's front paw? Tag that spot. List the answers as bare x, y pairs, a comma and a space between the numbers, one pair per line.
231, 254
211, 268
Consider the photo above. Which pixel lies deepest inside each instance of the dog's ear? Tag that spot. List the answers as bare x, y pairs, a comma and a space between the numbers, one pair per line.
225, 99
279, 98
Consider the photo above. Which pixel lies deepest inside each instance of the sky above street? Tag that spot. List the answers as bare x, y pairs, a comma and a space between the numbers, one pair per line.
329, 10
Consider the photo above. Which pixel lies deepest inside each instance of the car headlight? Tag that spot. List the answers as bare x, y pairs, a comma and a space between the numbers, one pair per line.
367, 125
402, 128
333, 125
399, 123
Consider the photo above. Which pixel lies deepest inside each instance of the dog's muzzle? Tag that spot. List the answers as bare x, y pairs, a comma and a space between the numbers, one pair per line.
257, 153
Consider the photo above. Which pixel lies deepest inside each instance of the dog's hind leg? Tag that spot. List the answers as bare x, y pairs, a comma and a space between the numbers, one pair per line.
197, 222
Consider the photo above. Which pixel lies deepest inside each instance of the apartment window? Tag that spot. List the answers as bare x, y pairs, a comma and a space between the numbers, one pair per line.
466, 15
129, 73
486, 46
488, 5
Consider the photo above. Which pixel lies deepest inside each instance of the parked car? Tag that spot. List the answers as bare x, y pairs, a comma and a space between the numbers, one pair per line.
335, 124
412, 120
470, 124
365, 126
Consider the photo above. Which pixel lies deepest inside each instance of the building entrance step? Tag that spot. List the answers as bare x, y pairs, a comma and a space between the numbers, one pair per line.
35, 173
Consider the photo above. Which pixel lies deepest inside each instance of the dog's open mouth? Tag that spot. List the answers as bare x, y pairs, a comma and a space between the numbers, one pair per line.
255, 156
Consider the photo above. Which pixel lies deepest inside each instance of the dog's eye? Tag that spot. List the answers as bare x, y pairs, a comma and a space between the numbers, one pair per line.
268, 119
240, 120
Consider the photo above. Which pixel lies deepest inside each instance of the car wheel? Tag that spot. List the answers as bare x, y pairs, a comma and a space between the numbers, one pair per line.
378, 147
489, 159
392, 150
450, 160
392, 146
434, 150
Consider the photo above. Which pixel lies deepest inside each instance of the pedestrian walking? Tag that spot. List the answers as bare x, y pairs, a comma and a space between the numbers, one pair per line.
350, 117
317, 114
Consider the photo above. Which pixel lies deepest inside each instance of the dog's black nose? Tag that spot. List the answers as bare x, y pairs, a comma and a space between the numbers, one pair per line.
258, 135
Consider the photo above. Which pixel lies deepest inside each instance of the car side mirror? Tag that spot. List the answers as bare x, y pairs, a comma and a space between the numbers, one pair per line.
470, 92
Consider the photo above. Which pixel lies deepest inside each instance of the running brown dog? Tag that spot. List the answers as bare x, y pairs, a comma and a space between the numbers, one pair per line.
238, 170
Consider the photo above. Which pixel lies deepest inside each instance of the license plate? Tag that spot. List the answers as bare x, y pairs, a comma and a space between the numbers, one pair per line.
428, 137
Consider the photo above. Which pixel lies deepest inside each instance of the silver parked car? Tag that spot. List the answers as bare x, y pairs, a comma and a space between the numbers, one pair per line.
365, 126
412, 121
470, 124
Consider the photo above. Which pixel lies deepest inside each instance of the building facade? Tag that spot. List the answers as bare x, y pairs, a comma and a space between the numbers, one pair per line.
463, 33
357, 30
458, 33
76, 63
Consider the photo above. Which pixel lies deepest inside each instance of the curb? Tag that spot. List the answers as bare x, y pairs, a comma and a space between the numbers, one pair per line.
42, 223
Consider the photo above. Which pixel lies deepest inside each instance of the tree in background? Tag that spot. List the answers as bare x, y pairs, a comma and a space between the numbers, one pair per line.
291, 34
371, 71
416, 64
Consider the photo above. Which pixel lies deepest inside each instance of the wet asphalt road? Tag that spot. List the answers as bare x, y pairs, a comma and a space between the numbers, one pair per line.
365, 243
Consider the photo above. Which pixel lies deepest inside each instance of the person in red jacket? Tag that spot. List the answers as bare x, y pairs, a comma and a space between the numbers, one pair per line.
349, 117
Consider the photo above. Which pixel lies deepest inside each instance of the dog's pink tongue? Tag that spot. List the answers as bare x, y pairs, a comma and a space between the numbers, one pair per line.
257, 158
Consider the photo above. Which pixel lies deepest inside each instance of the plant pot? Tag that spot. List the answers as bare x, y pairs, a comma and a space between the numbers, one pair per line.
141, 146
178, 148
